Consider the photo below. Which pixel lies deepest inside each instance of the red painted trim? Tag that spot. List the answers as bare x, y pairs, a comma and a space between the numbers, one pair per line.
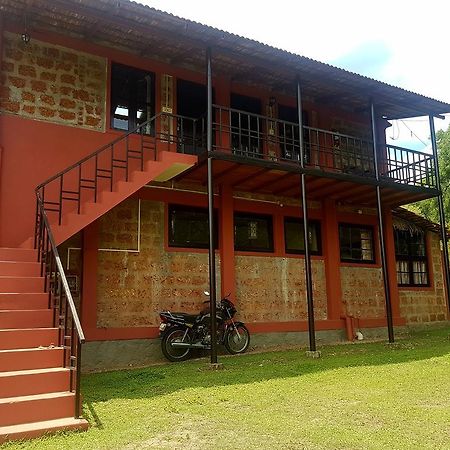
391, 262
90, 271
117, 334
380, 322
110, 334
226, 242
279, 327
332, 256
361, 265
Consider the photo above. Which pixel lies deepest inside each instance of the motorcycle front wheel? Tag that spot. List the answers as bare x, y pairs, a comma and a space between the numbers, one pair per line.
175, 335
237, 339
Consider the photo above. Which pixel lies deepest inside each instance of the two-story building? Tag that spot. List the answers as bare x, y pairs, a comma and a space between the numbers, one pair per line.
127, 134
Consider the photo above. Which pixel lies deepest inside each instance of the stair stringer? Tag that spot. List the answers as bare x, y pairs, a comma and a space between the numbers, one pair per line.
168, 166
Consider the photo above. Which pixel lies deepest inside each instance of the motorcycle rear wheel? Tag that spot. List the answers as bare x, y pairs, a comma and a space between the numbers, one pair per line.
176, 334
237, 339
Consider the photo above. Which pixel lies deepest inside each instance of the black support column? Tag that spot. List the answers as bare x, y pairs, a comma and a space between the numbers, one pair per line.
387, 292
308, 275
211, 252
441, 208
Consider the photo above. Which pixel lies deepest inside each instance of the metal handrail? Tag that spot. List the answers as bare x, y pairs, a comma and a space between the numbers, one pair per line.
65, 315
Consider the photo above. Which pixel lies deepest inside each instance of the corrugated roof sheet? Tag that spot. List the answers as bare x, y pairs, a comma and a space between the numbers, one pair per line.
148, 32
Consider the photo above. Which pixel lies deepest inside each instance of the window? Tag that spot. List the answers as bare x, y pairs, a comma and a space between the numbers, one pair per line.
253, 232
294, 236
356, 243
132, 97
188, 227
410, 253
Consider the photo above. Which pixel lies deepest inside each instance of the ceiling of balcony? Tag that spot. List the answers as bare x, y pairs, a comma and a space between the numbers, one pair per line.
131, 27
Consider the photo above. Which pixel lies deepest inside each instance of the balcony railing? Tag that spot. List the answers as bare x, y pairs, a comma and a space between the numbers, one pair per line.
407, 166
255, 136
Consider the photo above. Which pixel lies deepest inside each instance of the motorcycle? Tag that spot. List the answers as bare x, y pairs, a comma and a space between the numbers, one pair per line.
181, 333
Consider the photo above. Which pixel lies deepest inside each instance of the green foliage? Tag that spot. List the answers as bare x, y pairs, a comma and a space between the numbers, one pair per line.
429, 208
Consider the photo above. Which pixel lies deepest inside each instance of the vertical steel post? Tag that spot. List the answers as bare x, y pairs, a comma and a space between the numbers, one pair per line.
211, 252
308, 275
387, 292
441, 208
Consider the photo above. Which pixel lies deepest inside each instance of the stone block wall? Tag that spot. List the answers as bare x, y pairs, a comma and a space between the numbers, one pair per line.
134, 287
422, 305
363, 291
52, 83
272, 289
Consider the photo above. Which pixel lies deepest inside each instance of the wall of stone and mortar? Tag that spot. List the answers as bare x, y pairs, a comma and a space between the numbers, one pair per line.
362, 291
429, 304
52, 83
132, 287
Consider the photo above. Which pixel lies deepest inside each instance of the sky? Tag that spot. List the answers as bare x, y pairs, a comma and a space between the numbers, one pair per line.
400, 42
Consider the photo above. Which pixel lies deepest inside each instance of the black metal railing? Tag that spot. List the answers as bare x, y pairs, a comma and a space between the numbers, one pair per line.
90, 176
406, 166
260, 137
65, 315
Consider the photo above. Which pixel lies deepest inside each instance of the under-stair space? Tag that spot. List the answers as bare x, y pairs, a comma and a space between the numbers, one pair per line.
35, 394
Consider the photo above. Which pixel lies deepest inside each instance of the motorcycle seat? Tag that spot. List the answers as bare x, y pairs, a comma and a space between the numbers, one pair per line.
189, 318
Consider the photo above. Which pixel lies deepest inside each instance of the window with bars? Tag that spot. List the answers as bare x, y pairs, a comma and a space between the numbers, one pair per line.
294, 237
253, 232
411, 256
188, 227
356, 243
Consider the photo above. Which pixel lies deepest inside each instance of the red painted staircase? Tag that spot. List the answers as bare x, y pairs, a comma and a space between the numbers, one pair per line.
40, 332
35, 387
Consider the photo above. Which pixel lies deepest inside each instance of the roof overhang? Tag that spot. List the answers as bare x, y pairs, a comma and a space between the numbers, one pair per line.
147, 32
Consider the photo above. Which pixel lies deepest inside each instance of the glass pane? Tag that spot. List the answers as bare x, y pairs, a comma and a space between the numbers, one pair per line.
253, 233
356, 243
294, 236
188, 227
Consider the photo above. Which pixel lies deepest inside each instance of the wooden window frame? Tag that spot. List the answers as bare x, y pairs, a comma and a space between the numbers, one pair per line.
372, 241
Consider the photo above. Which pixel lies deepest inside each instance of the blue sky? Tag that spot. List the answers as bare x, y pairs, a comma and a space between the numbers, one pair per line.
398, 41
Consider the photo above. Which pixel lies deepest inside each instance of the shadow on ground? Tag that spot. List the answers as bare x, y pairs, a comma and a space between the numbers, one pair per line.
165, 379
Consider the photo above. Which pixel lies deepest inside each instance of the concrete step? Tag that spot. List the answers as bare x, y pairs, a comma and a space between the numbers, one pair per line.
23, 300
34, 408
21, 284
15, 339
30, 358
33, 382
20, 269
35, 318
18, 254
36, 429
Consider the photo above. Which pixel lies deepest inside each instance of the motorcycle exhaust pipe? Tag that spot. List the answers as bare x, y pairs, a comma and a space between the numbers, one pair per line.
186, 345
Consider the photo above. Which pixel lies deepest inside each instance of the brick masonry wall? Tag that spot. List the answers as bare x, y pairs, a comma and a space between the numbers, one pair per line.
426, 305
52, 83
363, 292
134, 287
272, 289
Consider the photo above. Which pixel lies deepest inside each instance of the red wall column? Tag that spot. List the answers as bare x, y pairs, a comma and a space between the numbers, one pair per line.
222, 92
332, 260
226, 242
391, 262
90, 271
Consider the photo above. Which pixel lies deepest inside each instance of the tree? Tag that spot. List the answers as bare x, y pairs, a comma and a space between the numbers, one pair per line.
429, 208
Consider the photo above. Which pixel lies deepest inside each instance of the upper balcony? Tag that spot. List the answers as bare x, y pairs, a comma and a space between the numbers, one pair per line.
252, 139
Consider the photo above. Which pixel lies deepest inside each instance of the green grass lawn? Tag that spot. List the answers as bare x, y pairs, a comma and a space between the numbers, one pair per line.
357, 396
